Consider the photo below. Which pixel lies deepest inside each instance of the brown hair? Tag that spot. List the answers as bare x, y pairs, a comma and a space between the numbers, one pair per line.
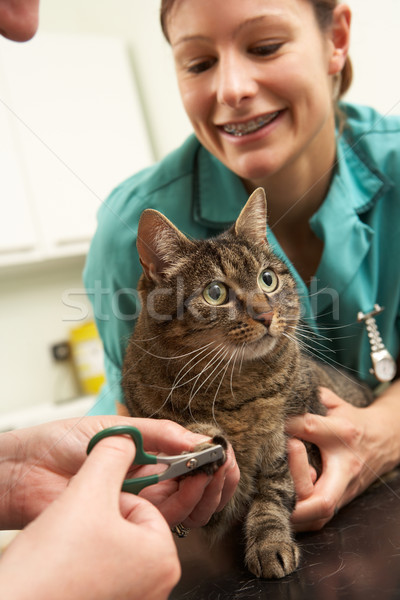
324, 13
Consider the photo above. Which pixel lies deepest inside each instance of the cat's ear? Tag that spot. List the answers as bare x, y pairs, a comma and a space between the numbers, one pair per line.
159, 244
252, 221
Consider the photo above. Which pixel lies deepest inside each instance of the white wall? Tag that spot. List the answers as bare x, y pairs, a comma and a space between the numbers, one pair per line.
137, 22
375, 52
32, 315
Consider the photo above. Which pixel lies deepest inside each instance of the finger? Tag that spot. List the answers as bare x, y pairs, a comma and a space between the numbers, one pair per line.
167, 436
300, 468
177, 499
309, 526
232, 478
218, 491
321, 431
304, 426
105, 468
329, 399
322, 505
208, 504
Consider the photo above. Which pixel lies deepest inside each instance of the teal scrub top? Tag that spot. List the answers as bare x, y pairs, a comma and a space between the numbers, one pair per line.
358, 222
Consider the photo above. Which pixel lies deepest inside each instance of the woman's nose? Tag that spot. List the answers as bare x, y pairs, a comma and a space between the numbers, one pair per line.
235, 82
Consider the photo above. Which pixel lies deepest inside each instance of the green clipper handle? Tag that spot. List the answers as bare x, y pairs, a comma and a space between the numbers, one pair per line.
132, 486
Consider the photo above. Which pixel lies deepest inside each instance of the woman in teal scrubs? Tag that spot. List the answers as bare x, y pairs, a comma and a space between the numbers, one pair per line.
261, 84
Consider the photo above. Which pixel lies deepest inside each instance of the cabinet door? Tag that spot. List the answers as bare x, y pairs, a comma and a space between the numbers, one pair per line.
17, 232
79, 126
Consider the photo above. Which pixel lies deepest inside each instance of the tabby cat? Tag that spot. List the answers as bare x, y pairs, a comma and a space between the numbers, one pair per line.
215, 349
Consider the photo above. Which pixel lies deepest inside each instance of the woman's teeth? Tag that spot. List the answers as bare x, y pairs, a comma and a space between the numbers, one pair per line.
239, 129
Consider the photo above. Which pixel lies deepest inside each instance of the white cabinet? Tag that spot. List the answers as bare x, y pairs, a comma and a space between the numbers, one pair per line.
17, 233
71, 128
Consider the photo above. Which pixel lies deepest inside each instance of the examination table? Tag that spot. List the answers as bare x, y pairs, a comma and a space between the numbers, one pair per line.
355, 557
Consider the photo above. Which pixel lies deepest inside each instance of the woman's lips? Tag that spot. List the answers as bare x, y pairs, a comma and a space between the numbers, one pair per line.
247, 127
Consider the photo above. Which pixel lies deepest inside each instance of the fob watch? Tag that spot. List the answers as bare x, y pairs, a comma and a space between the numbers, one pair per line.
383, 365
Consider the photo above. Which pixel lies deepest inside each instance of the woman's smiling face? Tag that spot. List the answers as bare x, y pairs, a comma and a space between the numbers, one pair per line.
255, 79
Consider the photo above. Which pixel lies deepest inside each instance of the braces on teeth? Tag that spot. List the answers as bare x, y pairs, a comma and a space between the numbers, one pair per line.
244, 128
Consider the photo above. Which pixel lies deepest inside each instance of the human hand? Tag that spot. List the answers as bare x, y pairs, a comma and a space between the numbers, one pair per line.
38, 462
94, 542
355, 449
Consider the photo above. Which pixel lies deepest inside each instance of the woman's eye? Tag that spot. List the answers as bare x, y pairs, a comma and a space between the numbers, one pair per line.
268, 281
265, 49
215, 293
201, 66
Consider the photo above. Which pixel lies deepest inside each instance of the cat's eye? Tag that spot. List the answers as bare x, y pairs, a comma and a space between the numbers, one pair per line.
268, 281
215, 293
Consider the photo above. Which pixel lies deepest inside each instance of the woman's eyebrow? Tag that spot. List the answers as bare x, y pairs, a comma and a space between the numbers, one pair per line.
236, 31
190, 38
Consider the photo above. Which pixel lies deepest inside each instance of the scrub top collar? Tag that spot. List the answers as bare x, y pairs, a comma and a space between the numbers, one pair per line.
356, 186
355, 189
218, 195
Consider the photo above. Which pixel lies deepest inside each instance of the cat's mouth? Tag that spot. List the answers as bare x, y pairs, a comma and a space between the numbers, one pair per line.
240, 129
259, 347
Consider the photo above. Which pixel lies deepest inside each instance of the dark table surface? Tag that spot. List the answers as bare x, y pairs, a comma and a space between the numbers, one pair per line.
355, 557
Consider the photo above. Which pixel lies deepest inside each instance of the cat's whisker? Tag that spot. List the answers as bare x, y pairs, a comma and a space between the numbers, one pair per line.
303, 339
176, 357
221, 359
313, 335
319, 355
131, 368
326, 314
177, 381
306, 337
215, 376
236, 354
196, 376
207, 366
224, 370
195, 391
314, 294
309, 332
243, 348
148, 339
303, 345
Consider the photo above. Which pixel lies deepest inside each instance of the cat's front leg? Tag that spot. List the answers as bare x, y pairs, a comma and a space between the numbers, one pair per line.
271, 551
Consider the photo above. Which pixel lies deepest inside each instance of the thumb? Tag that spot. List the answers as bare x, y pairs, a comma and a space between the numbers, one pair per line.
106, 466
141, 512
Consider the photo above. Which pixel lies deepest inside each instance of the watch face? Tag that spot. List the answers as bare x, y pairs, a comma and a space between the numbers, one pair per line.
385, 369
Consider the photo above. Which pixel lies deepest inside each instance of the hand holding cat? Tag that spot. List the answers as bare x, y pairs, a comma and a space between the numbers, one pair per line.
93, 542
357, 445
38, 463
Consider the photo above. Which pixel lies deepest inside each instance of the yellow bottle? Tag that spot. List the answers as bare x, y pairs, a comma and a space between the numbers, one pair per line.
88, 357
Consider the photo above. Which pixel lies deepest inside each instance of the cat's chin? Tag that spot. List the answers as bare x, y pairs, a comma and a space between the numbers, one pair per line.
260, 348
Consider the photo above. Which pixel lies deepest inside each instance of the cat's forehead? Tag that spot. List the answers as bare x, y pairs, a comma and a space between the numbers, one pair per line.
232, 258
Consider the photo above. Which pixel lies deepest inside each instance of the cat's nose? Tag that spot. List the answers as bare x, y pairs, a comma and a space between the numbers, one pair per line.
265, 317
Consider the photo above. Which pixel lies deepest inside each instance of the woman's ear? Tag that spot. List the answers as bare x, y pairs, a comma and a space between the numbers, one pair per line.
340, 38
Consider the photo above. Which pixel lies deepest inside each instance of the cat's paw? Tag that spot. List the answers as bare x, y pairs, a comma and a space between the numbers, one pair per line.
273, 560
211, 468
